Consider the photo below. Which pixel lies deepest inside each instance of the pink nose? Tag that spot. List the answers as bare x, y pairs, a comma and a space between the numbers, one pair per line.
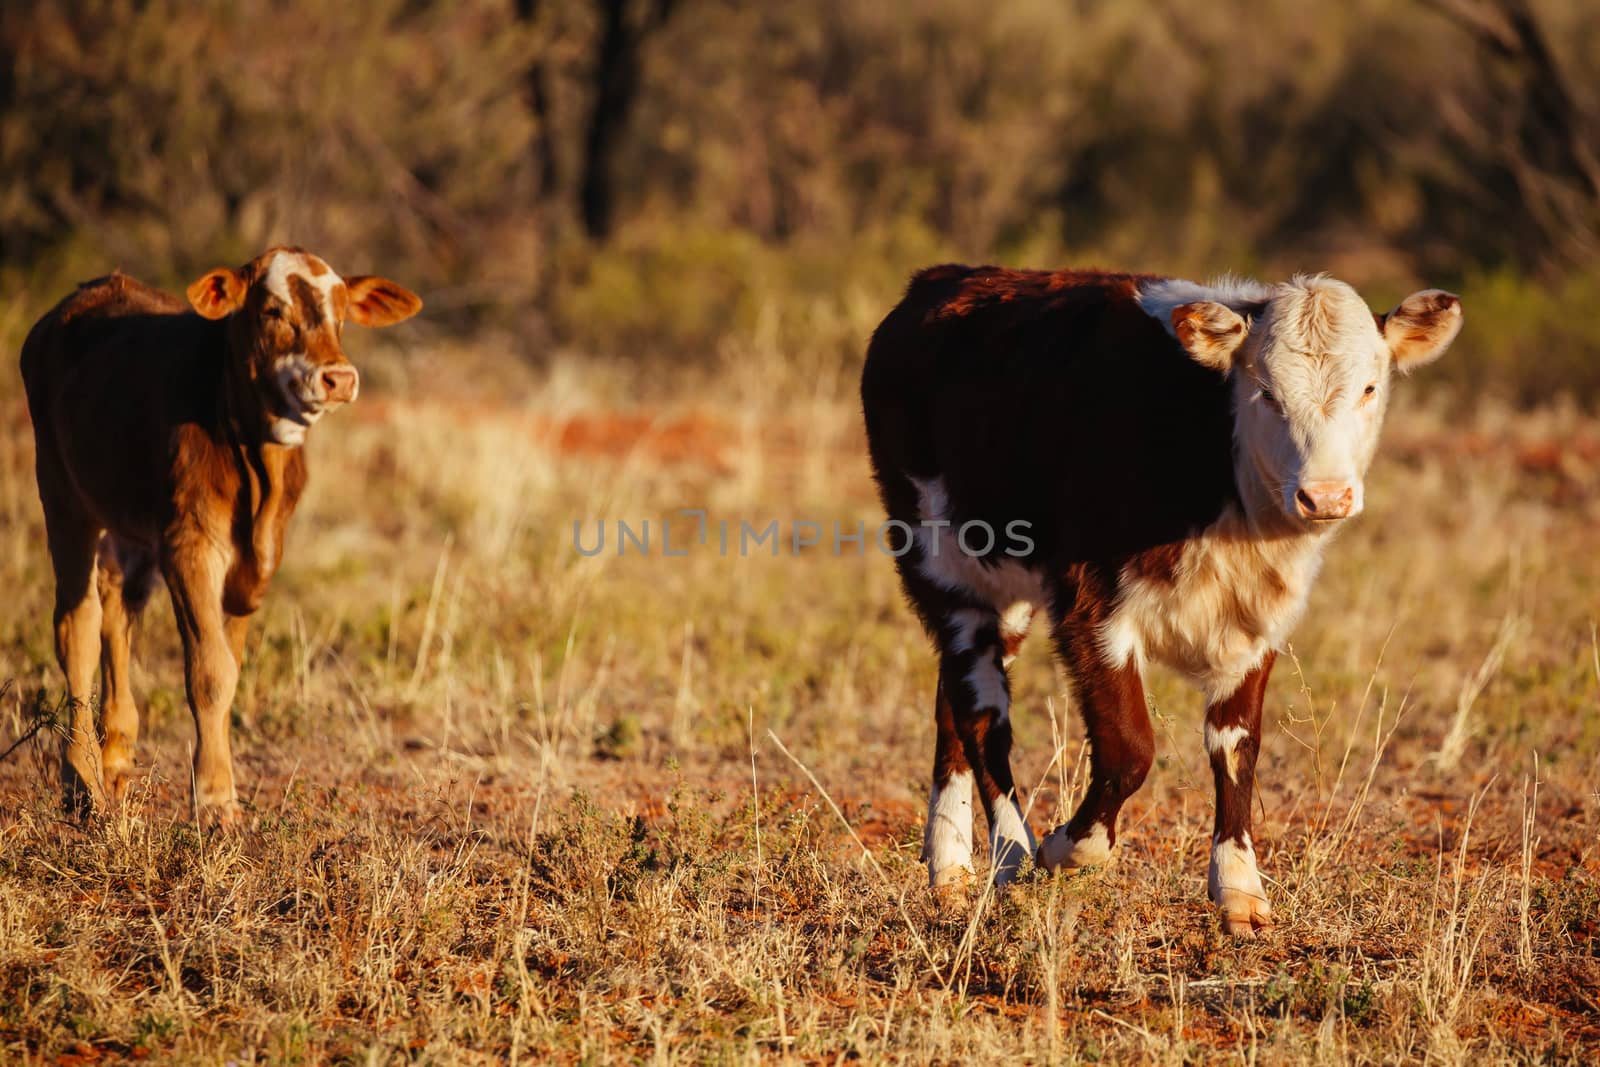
340, 384
1325, 500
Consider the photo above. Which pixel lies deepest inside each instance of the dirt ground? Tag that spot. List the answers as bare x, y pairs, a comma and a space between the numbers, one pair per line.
506, 802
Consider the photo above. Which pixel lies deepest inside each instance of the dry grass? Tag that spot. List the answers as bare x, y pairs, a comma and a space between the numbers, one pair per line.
510, 803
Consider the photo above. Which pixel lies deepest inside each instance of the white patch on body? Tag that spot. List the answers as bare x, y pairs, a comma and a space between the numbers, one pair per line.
1014, 624
1060, 850
1234, 882
1234, 596
1010, 840
1226, 741
948, 841
1007, 586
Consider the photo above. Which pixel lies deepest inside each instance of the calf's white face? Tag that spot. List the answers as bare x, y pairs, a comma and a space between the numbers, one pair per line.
1310, 366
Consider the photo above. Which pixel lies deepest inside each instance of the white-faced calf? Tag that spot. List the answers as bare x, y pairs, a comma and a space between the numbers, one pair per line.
168, 443
1179, 455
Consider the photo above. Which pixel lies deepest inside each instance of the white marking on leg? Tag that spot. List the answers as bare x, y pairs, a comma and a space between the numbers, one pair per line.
948, 841
1226, 741
988, 684
1010, 840
1060, 850
1235, 884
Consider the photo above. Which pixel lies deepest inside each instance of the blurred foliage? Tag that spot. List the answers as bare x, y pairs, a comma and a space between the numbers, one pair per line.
659, 178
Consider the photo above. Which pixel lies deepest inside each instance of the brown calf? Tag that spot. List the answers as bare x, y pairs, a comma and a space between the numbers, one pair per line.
1155, 463
168, 442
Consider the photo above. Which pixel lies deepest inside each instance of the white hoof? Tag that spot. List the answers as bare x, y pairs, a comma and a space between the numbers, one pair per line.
1060, 850
1235, 886
1011, 843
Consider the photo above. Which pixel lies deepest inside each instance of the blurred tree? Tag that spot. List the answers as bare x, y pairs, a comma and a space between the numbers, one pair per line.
624, 27
1532, 135
546, 161
586, 171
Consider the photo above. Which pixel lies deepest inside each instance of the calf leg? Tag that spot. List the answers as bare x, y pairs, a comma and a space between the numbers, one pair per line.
195, 575
124, 588
947, 842
77, 630
1233, 740
1121, 750
972, 680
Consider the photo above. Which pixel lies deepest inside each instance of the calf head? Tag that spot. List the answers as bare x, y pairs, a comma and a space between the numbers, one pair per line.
286, 310
1311, 367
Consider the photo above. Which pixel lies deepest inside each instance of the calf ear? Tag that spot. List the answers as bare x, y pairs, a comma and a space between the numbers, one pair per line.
376, 301
1422, 327
1210, 332
218, 294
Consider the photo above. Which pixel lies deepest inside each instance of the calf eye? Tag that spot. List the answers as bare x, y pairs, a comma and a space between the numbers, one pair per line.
1266, 395
272, 311
1369, 391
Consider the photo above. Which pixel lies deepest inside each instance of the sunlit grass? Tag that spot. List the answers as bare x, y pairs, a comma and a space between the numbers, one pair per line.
501, 798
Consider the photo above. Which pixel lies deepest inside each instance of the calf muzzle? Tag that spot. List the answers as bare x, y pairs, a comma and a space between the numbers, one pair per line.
1325, 501
339, 383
